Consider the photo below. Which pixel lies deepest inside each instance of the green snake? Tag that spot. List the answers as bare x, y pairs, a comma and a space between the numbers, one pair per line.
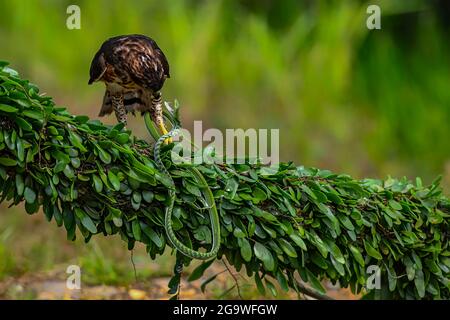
207, 193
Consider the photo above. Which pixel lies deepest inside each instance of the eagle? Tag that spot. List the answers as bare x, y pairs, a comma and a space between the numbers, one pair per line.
134, 70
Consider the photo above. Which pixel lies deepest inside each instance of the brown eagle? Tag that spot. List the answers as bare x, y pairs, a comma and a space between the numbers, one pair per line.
133, 69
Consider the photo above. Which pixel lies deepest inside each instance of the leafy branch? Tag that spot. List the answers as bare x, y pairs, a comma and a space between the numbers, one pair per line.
297, 223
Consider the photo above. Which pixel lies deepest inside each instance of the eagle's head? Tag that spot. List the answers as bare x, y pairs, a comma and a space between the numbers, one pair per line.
98, 67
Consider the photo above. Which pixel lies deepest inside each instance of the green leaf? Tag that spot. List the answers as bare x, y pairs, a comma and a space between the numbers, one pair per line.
68, 219
86, 221
34, 114
148, 196
81, 119
152, 235
193, 189
2, 173
298, 241
395, 205
20, 186
323, 249
29, 195
335, 251
8, 109
263, 254
246, 250
20, 150
98, 184
122, 138
320, 196
25, 125
410, 270
270, 231
392, 279
282, 280
259, 194
231, 187
59, 166
76, 141
315, 283
136, 228
358, 256
137, 197
68, 172
173, 285
75, 162
309, 192
203, 233
7, 162
197, 273
271, 288
339, 267
287, 248
371, 251
420, 283
346, 222
259, 284
114, 180
164, 179
104, 156
319, 261
327, 211
238, 233
118, 222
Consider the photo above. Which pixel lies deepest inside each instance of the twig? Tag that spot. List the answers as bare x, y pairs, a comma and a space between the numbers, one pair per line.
134, 265
238, 287
311, 293
227, 291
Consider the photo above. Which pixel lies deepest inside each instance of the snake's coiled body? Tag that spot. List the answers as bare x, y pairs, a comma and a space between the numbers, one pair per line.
206, 191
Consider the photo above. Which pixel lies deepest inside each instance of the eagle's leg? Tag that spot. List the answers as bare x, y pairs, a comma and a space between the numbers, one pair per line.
119, 108
157, 114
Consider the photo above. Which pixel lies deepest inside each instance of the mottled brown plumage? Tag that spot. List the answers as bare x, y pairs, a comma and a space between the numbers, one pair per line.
133, 69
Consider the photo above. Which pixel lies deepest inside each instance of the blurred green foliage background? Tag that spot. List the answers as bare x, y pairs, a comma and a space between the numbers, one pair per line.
364, 102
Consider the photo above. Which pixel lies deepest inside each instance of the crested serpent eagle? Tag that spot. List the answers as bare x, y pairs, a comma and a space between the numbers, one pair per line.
134, 70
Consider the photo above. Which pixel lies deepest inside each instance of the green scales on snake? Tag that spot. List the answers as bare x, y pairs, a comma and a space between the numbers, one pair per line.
207, 193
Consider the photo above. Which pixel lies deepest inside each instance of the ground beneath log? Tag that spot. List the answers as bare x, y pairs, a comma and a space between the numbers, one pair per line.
52, 286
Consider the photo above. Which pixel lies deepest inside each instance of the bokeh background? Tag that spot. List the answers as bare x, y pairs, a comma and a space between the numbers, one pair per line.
357, 101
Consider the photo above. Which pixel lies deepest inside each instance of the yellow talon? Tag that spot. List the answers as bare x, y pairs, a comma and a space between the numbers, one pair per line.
164, 131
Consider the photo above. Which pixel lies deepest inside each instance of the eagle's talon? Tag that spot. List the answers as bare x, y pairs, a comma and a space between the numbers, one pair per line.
164, 132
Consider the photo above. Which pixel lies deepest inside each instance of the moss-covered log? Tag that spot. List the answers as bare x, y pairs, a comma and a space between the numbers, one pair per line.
102, 180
